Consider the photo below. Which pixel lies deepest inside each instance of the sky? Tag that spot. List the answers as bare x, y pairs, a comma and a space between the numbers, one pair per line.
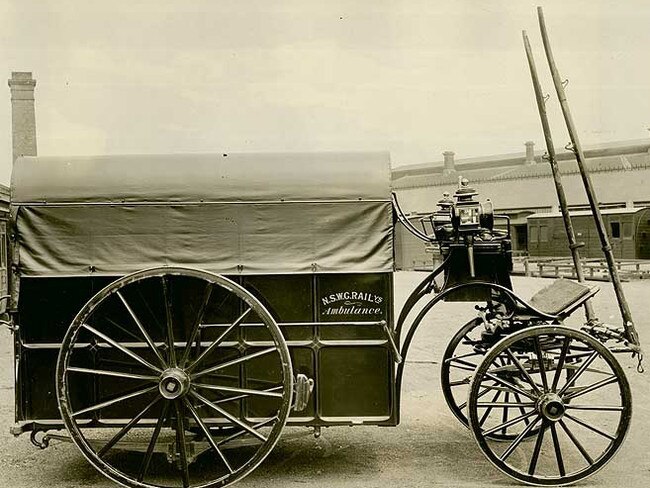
412, 77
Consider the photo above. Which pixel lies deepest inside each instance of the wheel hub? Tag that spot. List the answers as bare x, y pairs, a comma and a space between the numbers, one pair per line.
174, 383
551, 407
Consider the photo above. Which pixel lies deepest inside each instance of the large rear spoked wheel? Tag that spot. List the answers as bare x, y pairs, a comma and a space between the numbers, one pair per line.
174, 377
573, 393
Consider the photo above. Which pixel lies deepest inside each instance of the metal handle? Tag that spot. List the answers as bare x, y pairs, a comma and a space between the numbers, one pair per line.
391, 341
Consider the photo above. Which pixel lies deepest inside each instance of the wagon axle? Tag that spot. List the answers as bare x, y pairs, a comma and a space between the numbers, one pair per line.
550, 406
174, 383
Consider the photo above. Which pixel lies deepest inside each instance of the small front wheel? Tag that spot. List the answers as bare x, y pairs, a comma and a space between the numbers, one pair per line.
561, 382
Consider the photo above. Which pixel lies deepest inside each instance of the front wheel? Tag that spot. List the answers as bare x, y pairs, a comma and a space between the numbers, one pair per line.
182, 369
562, 383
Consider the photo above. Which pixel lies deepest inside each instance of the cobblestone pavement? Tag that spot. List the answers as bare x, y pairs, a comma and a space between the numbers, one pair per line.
429, 448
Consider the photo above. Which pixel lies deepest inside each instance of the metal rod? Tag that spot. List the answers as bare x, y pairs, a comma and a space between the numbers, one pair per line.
244, 391
628, 324
557, 179
299, 324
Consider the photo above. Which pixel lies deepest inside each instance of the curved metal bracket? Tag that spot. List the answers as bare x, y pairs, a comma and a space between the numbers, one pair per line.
405, 222
43, 443
439, 297
426, 286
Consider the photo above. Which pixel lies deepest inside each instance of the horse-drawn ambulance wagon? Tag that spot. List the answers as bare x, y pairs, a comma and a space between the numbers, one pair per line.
185, 309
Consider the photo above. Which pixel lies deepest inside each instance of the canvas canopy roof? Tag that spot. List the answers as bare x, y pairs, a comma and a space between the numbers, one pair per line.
202, 177
231, 214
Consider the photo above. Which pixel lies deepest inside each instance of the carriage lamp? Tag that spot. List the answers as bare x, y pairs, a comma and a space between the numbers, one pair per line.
466, 218
486, 218
466, 212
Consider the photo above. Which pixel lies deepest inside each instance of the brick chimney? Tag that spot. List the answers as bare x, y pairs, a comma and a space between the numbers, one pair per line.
449, 168
23, 118
530, 152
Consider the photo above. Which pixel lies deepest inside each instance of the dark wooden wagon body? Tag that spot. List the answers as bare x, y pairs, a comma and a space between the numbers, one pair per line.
309, 235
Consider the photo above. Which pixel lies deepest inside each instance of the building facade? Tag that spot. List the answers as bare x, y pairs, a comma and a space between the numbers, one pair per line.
520, 185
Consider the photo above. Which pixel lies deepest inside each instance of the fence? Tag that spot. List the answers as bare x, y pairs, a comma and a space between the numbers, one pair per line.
594, 269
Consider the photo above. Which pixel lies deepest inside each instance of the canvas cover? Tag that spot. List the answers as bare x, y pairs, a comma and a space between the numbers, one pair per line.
232, 214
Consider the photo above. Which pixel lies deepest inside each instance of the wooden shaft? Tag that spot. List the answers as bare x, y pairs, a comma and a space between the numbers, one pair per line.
628, 324
561, 196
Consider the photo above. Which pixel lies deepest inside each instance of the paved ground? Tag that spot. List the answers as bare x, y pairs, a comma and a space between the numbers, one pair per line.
429, 448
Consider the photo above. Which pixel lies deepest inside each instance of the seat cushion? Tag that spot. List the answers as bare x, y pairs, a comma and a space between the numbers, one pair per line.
558, 296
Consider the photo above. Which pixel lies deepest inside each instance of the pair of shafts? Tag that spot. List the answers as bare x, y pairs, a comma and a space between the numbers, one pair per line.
628, 324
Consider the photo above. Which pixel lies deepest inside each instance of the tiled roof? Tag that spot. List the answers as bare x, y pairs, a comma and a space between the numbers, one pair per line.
614, 157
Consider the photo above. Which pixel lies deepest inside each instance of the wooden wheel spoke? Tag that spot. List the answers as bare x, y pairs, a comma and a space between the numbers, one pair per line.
228, 416
218, 340
460, 361
169, 319
144, 467
180, 445
489, 409
504, 405
119, 399
460, 357
590, 427
558, 450
592, 387
122, 329
241, 397
523, 371
510, 423
482, 393
538, 447
233, 362
244, 391
206, 433
522, 410
120, 347
118, 374
515, 443
125, 430
560, 362
143, 331
578, 373
242, 432
512, 387
540, 361
576, 443
600, 408
197, 323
